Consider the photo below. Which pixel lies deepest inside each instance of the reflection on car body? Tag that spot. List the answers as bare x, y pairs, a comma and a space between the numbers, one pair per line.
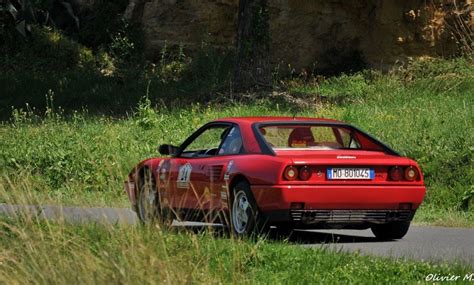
255, 172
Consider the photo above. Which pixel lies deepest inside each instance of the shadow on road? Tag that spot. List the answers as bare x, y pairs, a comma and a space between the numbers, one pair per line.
312, 237
296, 237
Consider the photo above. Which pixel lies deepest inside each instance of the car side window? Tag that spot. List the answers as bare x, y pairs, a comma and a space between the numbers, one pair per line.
207, 143
348, 139
232, 143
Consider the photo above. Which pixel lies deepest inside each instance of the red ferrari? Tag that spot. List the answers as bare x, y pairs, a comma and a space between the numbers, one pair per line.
290, 173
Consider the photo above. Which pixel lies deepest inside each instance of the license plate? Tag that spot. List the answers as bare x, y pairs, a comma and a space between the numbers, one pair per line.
350, 173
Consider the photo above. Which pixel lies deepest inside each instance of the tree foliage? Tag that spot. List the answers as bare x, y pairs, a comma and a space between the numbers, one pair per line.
22, 14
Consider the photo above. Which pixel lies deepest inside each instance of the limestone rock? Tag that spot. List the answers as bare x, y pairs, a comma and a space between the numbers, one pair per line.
312, 34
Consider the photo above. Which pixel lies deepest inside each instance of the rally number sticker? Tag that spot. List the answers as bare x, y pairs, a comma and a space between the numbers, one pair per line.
184, 176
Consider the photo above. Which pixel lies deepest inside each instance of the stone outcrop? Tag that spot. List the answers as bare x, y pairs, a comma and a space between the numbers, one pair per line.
308, 34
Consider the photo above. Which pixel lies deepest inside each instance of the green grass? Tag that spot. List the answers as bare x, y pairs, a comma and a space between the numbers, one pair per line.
433, 216
80, 153
424, 111
54, 253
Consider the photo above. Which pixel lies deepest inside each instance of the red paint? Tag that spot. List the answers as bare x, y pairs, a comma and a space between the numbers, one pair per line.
275, 197
209, 180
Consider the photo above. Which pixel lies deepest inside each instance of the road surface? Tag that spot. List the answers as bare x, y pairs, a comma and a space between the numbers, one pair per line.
421, 243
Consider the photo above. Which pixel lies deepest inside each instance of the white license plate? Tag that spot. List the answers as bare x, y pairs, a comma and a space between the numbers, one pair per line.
350, 173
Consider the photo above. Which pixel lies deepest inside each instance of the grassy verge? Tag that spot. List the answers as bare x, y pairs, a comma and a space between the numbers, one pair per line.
424, 111
429, 215
54, 253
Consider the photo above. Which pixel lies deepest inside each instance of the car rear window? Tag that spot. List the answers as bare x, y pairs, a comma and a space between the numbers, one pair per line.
313, 137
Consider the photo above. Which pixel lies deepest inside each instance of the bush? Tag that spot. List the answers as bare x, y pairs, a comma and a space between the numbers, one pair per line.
46, 50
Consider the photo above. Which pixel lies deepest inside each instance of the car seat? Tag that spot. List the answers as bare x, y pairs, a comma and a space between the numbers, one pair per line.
301, 137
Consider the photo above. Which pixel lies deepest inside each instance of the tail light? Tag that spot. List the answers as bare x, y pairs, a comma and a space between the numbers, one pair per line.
291, 173
302, 173
395, 173
410, 173
305, 173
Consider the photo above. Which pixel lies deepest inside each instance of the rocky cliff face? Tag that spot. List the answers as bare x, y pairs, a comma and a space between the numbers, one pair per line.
320, 35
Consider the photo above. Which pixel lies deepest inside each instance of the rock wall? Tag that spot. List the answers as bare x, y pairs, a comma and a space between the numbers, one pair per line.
313, 34
188, 23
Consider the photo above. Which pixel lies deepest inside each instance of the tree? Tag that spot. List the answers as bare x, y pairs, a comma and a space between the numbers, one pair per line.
253, 70
21, 14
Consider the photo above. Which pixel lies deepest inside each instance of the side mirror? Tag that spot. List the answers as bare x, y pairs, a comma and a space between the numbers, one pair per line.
167, 149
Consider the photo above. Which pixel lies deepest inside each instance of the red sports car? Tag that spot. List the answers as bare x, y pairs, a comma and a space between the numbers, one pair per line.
255, 172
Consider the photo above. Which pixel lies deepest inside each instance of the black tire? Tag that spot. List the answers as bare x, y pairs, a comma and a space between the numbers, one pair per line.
245, 218
148, 205
391, 231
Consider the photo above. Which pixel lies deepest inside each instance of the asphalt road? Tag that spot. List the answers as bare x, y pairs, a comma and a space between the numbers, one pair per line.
421, 242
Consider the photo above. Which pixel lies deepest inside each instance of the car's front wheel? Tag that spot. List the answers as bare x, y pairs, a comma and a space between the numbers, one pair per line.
390, 231
244, 215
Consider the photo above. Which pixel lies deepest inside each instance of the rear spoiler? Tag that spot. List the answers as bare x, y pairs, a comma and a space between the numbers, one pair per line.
267, 149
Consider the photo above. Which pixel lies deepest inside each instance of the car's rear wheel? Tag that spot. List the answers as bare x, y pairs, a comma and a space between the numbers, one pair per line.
148, 206
245, 218
390, 231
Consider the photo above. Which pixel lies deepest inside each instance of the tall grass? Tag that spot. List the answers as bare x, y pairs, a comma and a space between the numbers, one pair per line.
39, 251
42, 252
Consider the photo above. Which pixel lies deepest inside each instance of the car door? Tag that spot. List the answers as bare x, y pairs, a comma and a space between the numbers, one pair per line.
197, 167
214, 195
231, 146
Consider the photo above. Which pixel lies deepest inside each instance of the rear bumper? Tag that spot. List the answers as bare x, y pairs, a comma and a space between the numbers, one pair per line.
338, 204
351, 216
337, 218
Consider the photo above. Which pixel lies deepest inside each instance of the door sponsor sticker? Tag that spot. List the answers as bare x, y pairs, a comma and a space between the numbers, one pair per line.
184, 175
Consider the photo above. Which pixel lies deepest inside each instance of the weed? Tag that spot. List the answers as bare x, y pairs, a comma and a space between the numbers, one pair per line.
146, 117
423, 110
38, 251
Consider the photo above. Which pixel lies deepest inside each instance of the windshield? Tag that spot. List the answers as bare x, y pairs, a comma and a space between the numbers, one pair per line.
313, 137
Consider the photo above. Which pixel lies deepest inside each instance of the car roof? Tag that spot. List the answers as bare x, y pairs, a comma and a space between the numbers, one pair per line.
269, 119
